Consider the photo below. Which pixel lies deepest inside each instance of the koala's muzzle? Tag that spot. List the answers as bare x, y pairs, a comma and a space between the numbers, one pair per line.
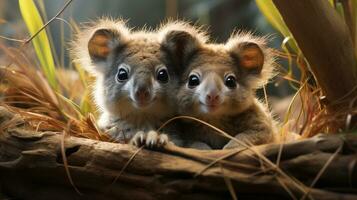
213, 98
142, 94
142, 89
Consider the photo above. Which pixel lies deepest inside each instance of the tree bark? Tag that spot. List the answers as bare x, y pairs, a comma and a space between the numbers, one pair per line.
326, 43
32, 167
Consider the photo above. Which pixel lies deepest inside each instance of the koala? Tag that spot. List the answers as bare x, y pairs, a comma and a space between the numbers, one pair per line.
133, 85
217, 85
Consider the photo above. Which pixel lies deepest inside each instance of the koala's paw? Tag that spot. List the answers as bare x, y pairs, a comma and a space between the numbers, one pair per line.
151, 139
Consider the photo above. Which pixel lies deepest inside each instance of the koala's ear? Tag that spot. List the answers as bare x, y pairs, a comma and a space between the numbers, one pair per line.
250, 56
180, 41
94, 44
253, 58
103, 42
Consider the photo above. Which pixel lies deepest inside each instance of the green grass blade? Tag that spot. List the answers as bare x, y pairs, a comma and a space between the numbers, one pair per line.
72, 104
85, 104
354, 19
290, 60
339, 9
332, 3
272, 14
42, 10
33, 21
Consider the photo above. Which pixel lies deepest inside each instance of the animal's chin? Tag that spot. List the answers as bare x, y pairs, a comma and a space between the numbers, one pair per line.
210, 108
143, 104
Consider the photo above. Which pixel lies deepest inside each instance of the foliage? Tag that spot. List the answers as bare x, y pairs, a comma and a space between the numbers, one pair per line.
43, 47
312, 113
67, 101
269, 10
33, 21
347, 11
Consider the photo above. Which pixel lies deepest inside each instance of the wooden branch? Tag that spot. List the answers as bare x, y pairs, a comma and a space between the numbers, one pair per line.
326, 42
31, 167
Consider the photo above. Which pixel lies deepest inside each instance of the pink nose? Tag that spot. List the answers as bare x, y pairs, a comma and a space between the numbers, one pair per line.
212, 98
142, 94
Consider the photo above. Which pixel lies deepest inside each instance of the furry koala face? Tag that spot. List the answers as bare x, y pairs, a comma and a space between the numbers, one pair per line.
218, 79
213, 86
137, 80
131, 77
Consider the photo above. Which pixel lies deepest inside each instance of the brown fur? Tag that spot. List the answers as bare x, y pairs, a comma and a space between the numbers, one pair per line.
241, 114
105, 47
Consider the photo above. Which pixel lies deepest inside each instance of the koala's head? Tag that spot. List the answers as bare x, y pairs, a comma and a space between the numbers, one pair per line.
218, 79
131, 76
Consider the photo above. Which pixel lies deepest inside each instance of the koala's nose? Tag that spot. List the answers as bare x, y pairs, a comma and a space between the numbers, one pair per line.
212, 98
142, 94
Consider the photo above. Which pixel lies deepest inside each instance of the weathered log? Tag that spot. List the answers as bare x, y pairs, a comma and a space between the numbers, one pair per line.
326, 43
32, 167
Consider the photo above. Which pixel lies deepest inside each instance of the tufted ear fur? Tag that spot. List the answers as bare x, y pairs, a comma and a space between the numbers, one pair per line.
254, 58
102, 43
96, 42
179, 42
250, 56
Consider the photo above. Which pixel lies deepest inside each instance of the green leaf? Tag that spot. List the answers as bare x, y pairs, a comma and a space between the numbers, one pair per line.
272, 14
71, 103
354, 19
332, 3
85, 105
339, 9
41, 43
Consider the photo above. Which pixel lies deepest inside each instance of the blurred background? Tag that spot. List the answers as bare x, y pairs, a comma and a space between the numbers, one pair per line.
221, 16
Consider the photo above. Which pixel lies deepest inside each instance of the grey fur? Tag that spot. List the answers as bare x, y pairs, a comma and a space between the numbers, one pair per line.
121, 113
240, 114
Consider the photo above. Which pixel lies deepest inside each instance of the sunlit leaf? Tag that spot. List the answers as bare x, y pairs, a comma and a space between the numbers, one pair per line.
290, 60
354, 19
272, 14
41, 43
71, 103
332, 3
85, 104
339, 9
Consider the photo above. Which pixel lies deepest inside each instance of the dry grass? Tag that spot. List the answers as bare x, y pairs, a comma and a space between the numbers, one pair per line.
312, 117
25, 91
28, 93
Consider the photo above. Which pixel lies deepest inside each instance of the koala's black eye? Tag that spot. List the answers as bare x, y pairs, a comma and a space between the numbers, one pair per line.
230, 82
162, 76
122, 75
193, 81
